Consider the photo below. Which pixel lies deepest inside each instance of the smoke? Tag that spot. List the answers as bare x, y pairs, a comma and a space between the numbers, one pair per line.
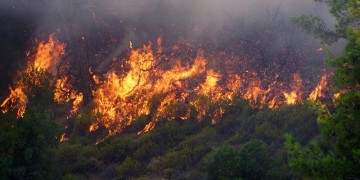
200, 13
140, 19
106, 27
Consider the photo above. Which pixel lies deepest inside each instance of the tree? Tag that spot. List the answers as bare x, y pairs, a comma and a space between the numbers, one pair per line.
251, 162
225, 164
336, 154
28, 144
29, 153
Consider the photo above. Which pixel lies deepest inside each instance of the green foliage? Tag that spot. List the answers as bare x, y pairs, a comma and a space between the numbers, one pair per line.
128, 168
180, 158
270, 125
336, 154
345, 123
252, 162
225, 164
39, 87
317, 27
254, 159
75, 158
348, 65
70, 177
313, 162
116, 149
345, 11
30, 152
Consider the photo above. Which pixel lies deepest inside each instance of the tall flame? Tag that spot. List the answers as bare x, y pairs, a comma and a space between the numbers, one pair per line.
16, 100
318, 92
47, 56
295, 95
162, 87
64, 93
172, 93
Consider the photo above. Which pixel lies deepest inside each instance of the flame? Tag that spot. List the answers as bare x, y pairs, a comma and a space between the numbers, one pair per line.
318, 92
64, 93
16, 100
253, 91
174, 92
121, 99
63, 138
161, 86
47, 56
295, 95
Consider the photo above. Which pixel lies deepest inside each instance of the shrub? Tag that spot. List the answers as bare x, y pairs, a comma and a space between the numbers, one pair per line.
128, 168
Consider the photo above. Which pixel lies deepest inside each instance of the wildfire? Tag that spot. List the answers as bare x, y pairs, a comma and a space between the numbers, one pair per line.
295, 95
63, 138
64, 93
47, 56
16, 100
171, 93
161, 86
318, 92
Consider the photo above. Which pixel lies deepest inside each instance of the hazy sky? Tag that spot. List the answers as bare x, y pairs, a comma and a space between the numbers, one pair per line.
201, 11
218, 11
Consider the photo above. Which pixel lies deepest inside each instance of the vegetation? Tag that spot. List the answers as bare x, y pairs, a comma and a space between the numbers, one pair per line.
335, 155
307, 140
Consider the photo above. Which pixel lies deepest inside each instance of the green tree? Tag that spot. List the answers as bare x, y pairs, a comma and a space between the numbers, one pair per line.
336, 154
30, 144
251, 162
254, 160
128, 168
225, 164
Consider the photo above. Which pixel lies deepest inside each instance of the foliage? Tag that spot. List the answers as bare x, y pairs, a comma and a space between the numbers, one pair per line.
115, 149
30, 152
312, 161
345, 11
348, 66
250, 163
128, 168
225, 164
317, 27
255, 160
75, 158
336, 154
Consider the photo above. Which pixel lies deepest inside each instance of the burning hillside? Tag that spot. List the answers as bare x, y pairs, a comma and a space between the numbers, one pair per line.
122, 69
176, 82
179, 89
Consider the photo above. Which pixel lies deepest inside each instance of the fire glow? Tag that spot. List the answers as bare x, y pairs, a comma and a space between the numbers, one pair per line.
182, 90
161, 86
46, 59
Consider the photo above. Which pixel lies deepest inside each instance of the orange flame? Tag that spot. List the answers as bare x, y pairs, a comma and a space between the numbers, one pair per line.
46, 57
318, 92
64, 93
47, 54
16, 100
174, 92
295, 95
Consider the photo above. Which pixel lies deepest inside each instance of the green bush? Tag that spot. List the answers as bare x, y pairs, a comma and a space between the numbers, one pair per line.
252, 162
116, 149
128, 168
225, 164
28, 146
78, 159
